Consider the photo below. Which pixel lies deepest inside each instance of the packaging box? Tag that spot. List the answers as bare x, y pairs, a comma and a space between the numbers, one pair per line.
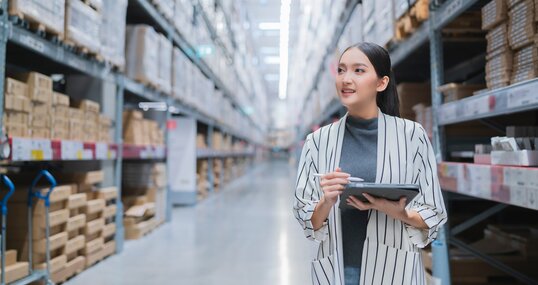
112, 32
82, 25
15, 87
87, 105
76, 114
493, 13
165, 64
59, 99
39, 86
16, 117
17, 103
411, 94
49, 13
17, 130
142, 54
453, 91
43, 133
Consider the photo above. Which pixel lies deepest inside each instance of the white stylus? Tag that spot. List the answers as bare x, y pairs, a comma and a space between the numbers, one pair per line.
352, 179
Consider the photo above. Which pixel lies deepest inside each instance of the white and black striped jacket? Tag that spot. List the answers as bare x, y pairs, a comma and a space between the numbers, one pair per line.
391, 252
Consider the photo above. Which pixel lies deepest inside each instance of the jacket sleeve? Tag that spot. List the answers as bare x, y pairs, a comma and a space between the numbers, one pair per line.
429, 203
308, 194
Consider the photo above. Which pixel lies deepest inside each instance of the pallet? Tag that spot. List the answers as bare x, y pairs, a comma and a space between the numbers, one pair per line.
30, 23
82, 50
411, 20
138, 230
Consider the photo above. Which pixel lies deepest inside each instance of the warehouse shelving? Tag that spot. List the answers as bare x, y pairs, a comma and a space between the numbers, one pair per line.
515, 98
55, 57
210, 153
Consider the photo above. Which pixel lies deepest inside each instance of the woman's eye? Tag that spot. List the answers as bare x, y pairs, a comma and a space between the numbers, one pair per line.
340, 70
359, 70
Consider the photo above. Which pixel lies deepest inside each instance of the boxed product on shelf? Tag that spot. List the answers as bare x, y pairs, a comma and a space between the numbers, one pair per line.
202, 182
183, 17
178, 73
454, 91
499, 69
411, 94
141, 54
39, 86
86, 105
112, 32
494, 13
402, 6
82, 24
521, 25
424, 116
524, 64
48, 13
165, 64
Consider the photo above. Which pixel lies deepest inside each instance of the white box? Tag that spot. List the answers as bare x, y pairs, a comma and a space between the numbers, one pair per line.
517, 158
50, 13
112, 32
82, 25
165, 64
142, 48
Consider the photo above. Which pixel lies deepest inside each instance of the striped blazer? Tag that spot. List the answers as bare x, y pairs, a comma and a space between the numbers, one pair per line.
391, 253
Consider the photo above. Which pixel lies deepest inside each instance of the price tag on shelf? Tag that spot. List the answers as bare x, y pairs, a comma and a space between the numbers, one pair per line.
476, 106
21, 149
101, 151
521, 96
448, 112
87, 154
146, 152
159, 152
112, 154
72, 150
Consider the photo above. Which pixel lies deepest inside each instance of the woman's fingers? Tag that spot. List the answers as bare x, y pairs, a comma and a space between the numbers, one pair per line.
332, 188
334, 181
333, 175
359, 204
370, 198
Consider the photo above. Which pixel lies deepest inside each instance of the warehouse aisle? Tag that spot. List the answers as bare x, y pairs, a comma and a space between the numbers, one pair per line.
246, 234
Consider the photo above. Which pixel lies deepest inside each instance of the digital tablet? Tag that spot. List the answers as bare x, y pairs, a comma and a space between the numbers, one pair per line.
391, 192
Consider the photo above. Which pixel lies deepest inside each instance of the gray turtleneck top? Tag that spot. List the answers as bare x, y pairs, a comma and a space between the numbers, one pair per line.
359, 158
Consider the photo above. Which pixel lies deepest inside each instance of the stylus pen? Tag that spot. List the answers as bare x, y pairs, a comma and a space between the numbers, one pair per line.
352, 179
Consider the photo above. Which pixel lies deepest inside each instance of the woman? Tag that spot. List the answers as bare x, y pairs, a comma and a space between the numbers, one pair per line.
377, 242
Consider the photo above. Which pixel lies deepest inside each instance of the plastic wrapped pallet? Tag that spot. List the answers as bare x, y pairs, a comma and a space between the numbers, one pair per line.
82, 25
49, 13
178, 72
141, 54
521, 26
402, 6
494, 13
165, 64
112, 32
384, 19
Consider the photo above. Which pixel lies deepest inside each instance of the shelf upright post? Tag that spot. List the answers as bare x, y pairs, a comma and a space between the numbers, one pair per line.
118, 139
3, 49
210, 172
168, 215
441, 260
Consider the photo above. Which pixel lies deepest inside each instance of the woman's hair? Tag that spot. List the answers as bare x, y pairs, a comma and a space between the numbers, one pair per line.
387, 100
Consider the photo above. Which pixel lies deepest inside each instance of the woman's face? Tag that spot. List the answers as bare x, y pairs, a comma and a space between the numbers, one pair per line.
357, 82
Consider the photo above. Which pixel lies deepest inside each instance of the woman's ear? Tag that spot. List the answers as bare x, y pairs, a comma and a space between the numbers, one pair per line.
382, 84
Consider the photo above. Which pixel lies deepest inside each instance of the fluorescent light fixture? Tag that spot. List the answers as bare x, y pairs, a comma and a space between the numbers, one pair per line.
285, 7
269, 26
157, 106
271, 59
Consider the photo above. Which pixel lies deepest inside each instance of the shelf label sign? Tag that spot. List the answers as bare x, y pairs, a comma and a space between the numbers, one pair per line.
477, 106
72, 150
28, 149
101, 151
522, 97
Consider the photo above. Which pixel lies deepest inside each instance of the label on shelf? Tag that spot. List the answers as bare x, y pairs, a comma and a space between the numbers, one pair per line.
476, 106
101, 151
159, 152
30, 149
72, 150
448, 112
521, 97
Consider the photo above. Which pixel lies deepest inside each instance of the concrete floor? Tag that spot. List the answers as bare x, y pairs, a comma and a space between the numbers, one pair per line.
245, 234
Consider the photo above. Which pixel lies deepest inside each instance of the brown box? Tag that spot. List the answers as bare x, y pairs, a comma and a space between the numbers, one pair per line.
76, 114
61, 111
35, 80
56, 264
94, 227
107, 193
55, 242
109, 211
40, 121
40, 133
76, 222
86, 105
17, 103
493, 13
15, 87
16, 117
75, 244
411, 94
93, 246
59, 99
16, 271
454, 91
76, 201
95, 206
108, 230
17, 130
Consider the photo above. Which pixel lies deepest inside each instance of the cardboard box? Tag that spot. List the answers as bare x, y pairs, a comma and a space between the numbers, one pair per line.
108, 230
108, 193
76, 222
86, 105
75, 244
39, 121
16, 117
41, 109
76, 114
59, 99
493, 13
16, 271
47, 13
109, 212
95, 206
17, 103
15, 87
82, 24
93, 246
411, 94
142, 54
94, 227
39, 86
42, 133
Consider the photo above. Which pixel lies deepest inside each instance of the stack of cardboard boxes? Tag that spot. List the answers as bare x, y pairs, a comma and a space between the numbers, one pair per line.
60, 116
90, 112
202, 182
512, 50
15, 269
140, 131
17, 108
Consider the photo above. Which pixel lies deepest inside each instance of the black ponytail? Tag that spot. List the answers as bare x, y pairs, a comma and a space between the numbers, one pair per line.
387, 100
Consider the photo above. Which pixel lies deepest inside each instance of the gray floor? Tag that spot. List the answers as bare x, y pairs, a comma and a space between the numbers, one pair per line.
246, 234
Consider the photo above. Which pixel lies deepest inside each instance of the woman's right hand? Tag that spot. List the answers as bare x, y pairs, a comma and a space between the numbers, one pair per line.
333, 184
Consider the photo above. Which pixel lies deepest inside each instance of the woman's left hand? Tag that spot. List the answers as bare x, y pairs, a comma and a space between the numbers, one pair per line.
394, 209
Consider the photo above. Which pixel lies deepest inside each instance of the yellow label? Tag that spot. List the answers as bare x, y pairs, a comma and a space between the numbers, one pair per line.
37, 154
79, 154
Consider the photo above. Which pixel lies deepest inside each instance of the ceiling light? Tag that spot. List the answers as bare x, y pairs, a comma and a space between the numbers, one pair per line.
271, 59
269, 26
285, 7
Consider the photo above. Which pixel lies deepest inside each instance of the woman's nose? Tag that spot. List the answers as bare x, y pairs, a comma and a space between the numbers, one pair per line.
346, 78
